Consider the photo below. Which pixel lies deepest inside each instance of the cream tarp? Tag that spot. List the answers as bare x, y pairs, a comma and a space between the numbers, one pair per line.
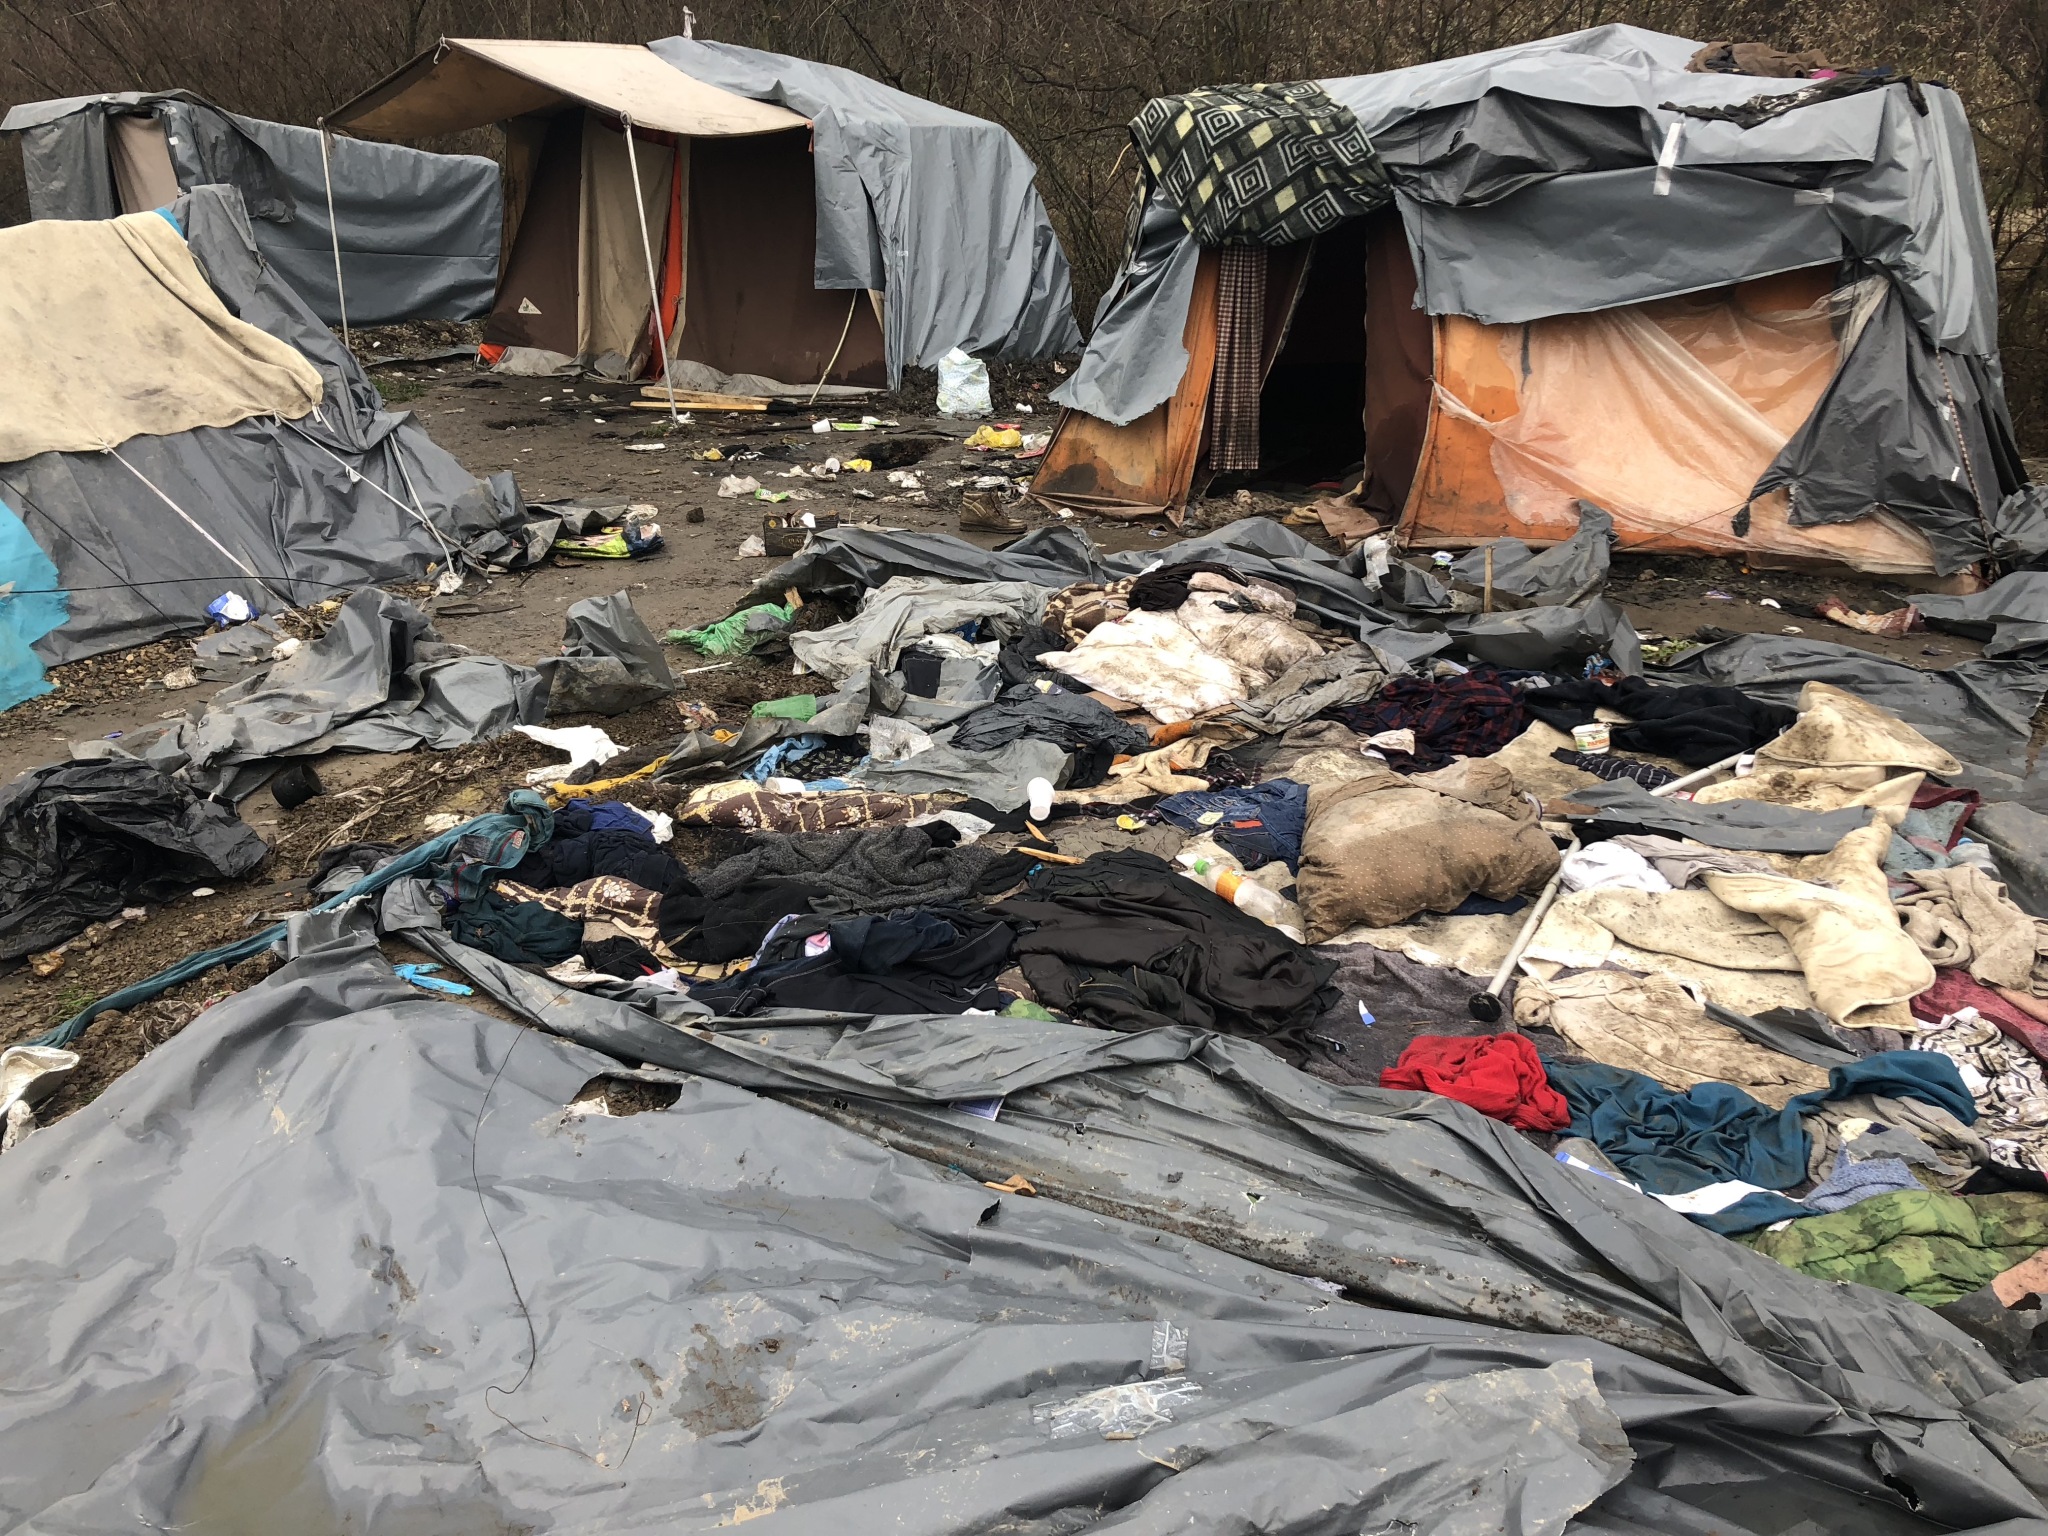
110, 331
468, 82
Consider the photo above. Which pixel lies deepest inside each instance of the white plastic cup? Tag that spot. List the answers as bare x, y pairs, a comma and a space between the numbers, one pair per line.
1040, 793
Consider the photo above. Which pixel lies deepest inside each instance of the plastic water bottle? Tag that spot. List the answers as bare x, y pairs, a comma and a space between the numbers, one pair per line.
1246, 895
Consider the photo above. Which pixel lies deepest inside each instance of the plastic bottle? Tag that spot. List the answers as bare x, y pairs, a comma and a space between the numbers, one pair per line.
1246, 895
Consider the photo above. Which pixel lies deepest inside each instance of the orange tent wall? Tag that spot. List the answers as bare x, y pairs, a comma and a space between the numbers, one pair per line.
1663, 413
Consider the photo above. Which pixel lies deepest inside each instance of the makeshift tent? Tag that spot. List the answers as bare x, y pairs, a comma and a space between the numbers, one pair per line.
803, 223
418, 232
1746, 316
179, 424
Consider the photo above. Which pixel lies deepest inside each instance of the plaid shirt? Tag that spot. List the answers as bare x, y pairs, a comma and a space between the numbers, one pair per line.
1470, 716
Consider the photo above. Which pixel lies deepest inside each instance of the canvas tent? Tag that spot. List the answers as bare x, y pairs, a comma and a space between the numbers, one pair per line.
178, 424
805, 224
418, 231
1590, 275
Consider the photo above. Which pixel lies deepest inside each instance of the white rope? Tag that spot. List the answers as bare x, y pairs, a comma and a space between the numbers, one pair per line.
240, 563
334, 230
844, 331
647, 250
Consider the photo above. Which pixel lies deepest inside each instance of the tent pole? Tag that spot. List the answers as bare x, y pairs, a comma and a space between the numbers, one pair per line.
334, 230
653, 286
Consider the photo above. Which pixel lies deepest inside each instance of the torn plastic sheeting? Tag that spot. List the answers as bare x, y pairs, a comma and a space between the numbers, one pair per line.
380, 680
80, 841
888, 1307
2011, 613
610, 661
1550, 637
1982, 711
1000, 777
904, 608
1219, 1141
1565, 573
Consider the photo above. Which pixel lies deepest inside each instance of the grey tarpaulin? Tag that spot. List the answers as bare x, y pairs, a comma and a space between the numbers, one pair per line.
936, 209
2011, 613
1330, 587
610, 661
1122, 376
341, 497
1569, 572
512, 1315
1883, 435
379, 680
1982, 711
419, 231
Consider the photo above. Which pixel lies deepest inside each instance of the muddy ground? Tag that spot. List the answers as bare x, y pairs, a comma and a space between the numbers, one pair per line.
572, 440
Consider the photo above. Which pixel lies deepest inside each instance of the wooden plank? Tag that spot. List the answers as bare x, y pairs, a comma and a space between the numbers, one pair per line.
695, 405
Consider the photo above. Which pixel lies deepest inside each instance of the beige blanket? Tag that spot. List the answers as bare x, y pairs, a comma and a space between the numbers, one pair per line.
110, 331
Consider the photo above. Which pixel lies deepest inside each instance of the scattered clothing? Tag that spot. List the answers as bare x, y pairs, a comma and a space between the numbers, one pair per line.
1609, 866
1928, 1247
1682, 862
1943, 1152
1625, 809
1672, 1142
1311, 687
1953, 991
1961, 917
1072, 612
928, 961
1652, 1025
881, 869
632, 910
742, 804
1499, 1075
1164, 590
614, 816
1122, 941
1468, 716
1606, 766
1859, 964
581, 850
736, 923
519, 932
1853, 1183
1070, 720
1379, 848
622, 957
1696, 724
1255, 825
2006, 1086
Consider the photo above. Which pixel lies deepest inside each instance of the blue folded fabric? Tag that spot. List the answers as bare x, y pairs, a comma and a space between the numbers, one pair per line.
1853, 1183
1672, 1142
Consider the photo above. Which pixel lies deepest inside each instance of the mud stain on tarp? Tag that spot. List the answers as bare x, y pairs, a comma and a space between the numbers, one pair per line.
726, 1387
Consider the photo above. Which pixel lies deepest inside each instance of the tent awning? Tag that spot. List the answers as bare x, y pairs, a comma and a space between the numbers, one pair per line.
463, 83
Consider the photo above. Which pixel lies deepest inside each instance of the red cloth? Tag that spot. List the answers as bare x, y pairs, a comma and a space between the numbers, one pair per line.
1953, 990
1498, 1075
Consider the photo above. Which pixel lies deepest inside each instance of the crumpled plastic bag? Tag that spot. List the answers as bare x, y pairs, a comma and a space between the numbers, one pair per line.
963, 385
610, 661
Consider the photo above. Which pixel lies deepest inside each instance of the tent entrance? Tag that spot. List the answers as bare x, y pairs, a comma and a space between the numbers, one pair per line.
1312, 407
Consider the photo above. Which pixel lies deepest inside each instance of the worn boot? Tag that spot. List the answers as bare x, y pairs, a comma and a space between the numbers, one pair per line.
984, 512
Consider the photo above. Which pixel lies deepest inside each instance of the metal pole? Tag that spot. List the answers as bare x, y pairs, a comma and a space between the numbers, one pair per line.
653, 286
334, 232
